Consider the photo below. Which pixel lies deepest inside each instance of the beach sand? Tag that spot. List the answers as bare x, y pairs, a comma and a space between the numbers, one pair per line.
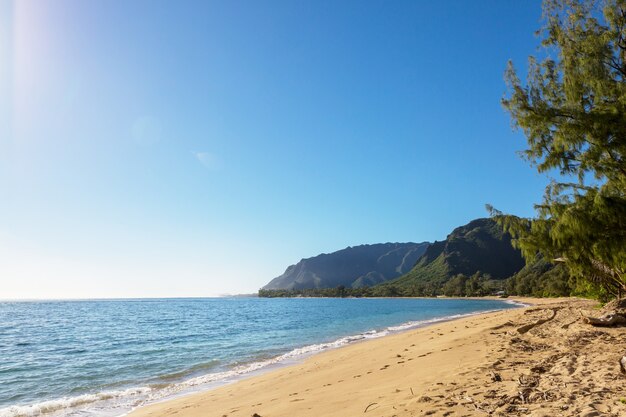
490, 364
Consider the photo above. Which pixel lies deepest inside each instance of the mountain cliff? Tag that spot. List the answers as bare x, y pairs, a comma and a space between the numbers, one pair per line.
479, 246
358, 266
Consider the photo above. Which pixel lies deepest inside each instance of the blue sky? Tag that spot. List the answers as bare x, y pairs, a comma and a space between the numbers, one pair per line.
195, 148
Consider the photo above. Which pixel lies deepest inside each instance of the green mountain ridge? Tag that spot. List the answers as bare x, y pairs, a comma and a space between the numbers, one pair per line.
474, 259
479, 247
353, 267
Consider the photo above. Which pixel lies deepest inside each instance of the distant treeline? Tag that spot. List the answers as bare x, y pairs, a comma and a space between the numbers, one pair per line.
539, 279
459, 286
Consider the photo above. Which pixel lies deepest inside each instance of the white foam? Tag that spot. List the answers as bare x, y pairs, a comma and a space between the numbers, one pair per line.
414, 324
517, 303
52, 406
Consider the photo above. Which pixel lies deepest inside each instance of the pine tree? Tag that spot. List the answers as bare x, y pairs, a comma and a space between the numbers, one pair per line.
572, 110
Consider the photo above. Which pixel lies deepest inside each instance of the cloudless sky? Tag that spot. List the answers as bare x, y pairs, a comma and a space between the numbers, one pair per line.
196, 148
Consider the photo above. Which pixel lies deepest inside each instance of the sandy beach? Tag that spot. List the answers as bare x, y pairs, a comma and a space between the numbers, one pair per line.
540, 361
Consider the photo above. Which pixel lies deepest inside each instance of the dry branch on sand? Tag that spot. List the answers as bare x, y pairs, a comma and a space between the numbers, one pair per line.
610, 319
614, 315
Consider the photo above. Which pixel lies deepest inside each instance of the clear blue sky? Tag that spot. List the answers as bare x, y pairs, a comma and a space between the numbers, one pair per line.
194, 148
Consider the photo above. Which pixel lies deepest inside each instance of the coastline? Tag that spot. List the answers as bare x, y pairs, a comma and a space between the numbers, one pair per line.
393, 371
118, 401
212, 381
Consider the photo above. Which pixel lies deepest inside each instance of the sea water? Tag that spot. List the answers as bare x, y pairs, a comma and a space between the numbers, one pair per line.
106, 357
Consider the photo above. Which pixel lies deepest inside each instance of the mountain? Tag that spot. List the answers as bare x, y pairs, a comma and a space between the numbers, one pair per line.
479, 246
357, 266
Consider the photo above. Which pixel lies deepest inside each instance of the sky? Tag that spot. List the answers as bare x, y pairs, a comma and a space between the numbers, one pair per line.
198, 148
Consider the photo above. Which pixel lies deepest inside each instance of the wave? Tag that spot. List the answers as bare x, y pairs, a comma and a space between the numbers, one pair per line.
300, 353
517, 303
195, 369
52, 406
120, 402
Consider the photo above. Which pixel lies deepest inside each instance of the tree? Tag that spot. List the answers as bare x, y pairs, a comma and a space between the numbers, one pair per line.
455, 287
572, 110
341, 291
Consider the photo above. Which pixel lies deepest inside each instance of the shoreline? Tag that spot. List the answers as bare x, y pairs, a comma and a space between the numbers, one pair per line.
301, 354
198, 399
541, 360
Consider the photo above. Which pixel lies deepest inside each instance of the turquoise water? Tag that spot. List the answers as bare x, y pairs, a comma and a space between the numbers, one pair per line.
102, 358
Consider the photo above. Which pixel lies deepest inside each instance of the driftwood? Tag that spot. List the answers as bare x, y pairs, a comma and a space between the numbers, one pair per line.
609, 319
622, 364
530, 326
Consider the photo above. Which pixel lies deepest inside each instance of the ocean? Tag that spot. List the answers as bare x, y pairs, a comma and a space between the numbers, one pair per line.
103, 358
